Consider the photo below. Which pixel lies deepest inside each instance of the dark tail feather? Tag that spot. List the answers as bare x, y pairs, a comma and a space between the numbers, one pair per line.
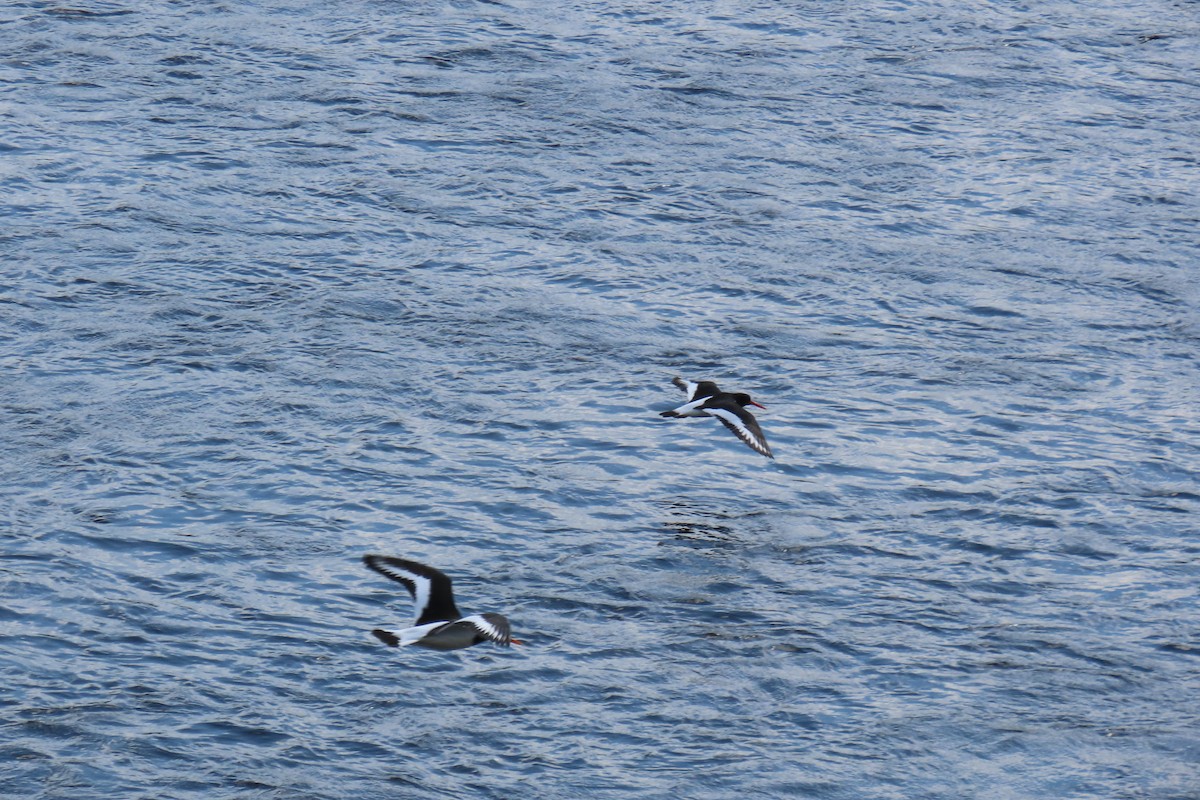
387, 637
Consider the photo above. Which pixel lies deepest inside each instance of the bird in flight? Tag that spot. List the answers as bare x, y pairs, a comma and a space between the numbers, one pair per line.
439, 624
705, 399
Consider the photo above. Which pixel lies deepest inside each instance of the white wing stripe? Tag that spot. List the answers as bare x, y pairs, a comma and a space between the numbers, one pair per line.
421, 600
421, 586
485, 627
740, 427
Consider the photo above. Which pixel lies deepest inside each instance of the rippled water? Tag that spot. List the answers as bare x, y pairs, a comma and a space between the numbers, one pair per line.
283, 284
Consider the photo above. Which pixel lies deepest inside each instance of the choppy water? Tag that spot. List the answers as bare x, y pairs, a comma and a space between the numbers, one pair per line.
287, 283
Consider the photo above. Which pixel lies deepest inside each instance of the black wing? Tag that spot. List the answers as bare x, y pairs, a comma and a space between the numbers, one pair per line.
743, 424
493, 627
695, 390
430, 588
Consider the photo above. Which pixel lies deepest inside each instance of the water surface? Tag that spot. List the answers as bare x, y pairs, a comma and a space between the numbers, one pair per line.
283, 284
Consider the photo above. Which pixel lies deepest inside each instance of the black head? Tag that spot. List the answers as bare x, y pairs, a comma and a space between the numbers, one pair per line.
743, 399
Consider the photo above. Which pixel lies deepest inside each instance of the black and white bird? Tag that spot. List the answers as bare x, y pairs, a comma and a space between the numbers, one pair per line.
705, 399
439, 624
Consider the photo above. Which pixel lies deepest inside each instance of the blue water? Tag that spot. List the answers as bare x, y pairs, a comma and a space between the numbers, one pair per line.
285, 283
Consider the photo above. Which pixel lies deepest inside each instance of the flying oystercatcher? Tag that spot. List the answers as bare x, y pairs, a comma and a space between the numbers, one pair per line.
439, 625
705, 399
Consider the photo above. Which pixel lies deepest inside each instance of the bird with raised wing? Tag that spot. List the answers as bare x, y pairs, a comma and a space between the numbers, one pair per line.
439, 624
705, 399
